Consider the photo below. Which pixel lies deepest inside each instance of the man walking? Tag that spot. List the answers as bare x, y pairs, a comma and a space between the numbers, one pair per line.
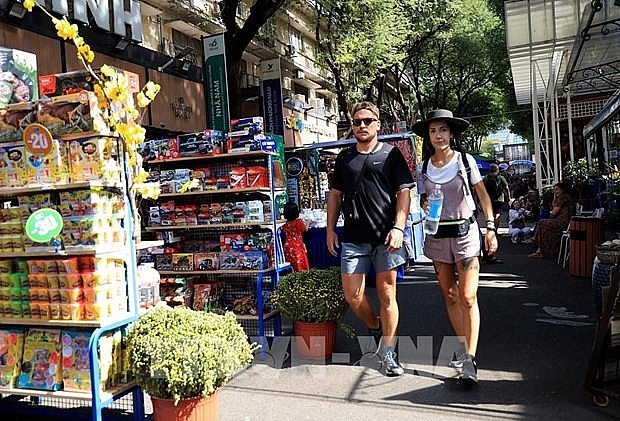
371, 183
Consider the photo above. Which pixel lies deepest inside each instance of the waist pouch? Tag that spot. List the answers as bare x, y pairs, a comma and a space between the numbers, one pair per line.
453, 229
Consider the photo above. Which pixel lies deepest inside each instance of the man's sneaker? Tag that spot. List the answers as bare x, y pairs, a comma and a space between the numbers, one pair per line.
457, 360
469, 371
376, 333
392, 368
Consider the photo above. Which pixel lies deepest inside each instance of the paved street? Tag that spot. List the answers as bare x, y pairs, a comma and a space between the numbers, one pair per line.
536, 334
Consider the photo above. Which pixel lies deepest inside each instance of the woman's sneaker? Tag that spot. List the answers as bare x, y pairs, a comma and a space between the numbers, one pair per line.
469, 371
392, 368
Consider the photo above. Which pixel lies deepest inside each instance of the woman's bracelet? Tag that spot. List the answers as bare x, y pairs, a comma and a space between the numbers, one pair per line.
398, 229
492, 229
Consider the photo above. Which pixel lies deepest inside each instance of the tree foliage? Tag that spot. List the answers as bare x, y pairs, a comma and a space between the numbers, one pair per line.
238, 37
358, 40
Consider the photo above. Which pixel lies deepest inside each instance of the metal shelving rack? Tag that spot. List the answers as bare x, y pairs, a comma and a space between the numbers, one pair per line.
273, 272
99, 399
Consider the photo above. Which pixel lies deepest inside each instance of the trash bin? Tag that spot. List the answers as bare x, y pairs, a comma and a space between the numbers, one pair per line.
585, 234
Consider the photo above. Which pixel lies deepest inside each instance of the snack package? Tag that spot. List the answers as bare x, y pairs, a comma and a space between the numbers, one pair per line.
75, 361
13, 165
51, 168
11, 349
90, 159
41, 363
18, 78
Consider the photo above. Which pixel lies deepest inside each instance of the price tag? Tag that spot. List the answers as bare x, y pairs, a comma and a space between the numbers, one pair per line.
38, 139
44, 225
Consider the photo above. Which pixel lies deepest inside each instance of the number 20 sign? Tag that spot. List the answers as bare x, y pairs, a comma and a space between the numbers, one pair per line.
38, 139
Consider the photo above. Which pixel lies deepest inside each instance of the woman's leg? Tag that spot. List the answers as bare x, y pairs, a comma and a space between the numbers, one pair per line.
468, 271
450, 291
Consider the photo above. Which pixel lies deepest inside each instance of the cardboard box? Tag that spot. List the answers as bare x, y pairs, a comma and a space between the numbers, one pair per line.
18, 78
206, 261
51, 168
182, 261
90, 160
56, 84
13, 165
71, 114
13, 120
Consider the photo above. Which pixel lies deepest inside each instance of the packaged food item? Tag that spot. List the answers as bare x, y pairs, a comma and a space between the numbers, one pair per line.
75, 362
11, 349
41, 362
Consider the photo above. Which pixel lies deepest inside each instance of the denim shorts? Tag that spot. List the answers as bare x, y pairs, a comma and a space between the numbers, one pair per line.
357, 258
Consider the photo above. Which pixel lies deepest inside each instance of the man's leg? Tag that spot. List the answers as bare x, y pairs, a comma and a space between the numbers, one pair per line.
388, 307
353, 285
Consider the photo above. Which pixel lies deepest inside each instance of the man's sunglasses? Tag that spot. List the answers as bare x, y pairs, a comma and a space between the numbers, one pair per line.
367, 121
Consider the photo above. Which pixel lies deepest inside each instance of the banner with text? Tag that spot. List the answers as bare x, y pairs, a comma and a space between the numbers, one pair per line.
272, 96
218, 114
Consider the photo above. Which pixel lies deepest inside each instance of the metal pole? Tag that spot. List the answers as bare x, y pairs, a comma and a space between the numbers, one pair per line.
569, 113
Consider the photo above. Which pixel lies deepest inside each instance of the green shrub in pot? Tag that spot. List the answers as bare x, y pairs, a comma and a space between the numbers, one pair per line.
180, 353
312, 296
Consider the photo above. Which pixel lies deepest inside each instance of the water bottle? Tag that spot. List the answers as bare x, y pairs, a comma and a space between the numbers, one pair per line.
435, 203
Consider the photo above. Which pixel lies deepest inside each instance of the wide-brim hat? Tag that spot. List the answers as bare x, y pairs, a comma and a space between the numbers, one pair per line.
456, 124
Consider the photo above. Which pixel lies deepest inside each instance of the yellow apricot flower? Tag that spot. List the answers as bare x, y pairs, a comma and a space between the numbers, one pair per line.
107, 71
191, 184
151, 89
148, 190
28, 5
141, 176
143, 101
65, 29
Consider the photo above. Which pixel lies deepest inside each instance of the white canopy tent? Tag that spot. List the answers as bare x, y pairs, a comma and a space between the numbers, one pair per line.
560, 48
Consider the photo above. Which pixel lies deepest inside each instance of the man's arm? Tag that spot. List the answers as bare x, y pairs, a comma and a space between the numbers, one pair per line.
334, 203
403, 203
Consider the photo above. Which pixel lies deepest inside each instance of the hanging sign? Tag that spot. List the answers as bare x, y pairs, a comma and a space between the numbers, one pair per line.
216, 83
37, 139
294, 166
272, 96
44, 225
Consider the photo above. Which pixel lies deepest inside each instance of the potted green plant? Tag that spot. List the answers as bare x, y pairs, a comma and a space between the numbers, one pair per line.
314, 300
181, 358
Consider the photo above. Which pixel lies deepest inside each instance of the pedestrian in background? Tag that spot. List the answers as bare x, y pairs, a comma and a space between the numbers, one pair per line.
456, 252
295, 251
371, 184
518, 231
497, 188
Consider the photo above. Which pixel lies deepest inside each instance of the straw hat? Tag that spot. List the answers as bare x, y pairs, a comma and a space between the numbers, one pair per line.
456, 124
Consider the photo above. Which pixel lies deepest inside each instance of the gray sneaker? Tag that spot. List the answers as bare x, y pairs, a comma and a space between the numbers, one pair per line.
392, 368
457, 361
469, 371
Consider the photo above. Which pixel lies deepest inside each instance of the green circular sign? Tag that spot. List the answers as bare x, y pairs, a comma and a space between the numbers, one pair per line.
43, 225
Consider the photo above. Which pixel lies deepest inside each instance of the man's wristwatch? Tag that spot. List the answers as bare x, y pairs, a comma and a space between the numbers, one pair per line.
492, 229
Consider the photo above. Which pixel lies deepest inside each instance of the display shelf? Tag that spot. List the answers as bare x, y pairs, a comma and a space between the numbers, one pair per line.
146, 245
237, 155
266, 316
219, 191
122, 318
214, 272
93, 185
69, 251
105, 395
210, 226
86, 135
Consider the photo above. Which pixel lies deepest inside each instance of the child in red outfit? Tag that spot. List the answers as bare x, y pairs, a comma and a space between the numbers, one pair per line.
294, 248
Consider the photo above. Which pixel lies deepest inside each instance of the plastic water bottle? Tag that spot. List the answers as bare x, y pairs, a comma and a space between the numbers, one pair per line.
435, 203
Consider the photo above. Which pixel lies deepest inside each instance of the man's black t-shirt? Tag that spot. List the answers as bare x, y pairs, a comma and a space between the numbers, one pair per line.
386, 173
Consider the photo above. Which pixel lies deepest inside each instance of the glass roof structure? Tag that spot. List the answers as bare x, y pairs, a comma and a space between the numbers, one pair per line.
556, 45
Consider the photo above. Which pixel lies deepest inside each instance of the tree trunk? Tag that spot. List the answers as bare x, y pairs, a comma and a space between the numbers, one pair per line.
233, 72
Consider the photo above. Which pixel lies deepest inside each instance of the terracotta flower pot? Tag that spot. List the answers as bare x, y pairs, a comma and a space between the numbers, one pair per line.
192, 409
315, 341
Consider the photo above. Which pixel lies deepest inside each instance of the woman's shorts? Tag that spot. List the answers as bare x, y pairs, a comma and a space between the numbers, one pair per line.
451, 250
357, 258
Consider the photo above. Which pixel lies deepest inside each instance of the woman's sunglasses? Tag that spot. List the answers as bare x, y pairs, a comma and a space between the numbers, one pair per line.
367, 121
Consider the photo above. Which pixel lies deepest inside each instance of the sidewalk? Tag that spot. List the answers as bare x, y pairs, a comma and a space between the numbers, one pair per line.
537, 325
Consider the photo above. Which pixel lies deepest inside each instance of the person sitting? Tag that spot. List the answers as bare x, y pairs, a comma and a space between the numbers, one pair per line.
517, 229
549, 231
532, 202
